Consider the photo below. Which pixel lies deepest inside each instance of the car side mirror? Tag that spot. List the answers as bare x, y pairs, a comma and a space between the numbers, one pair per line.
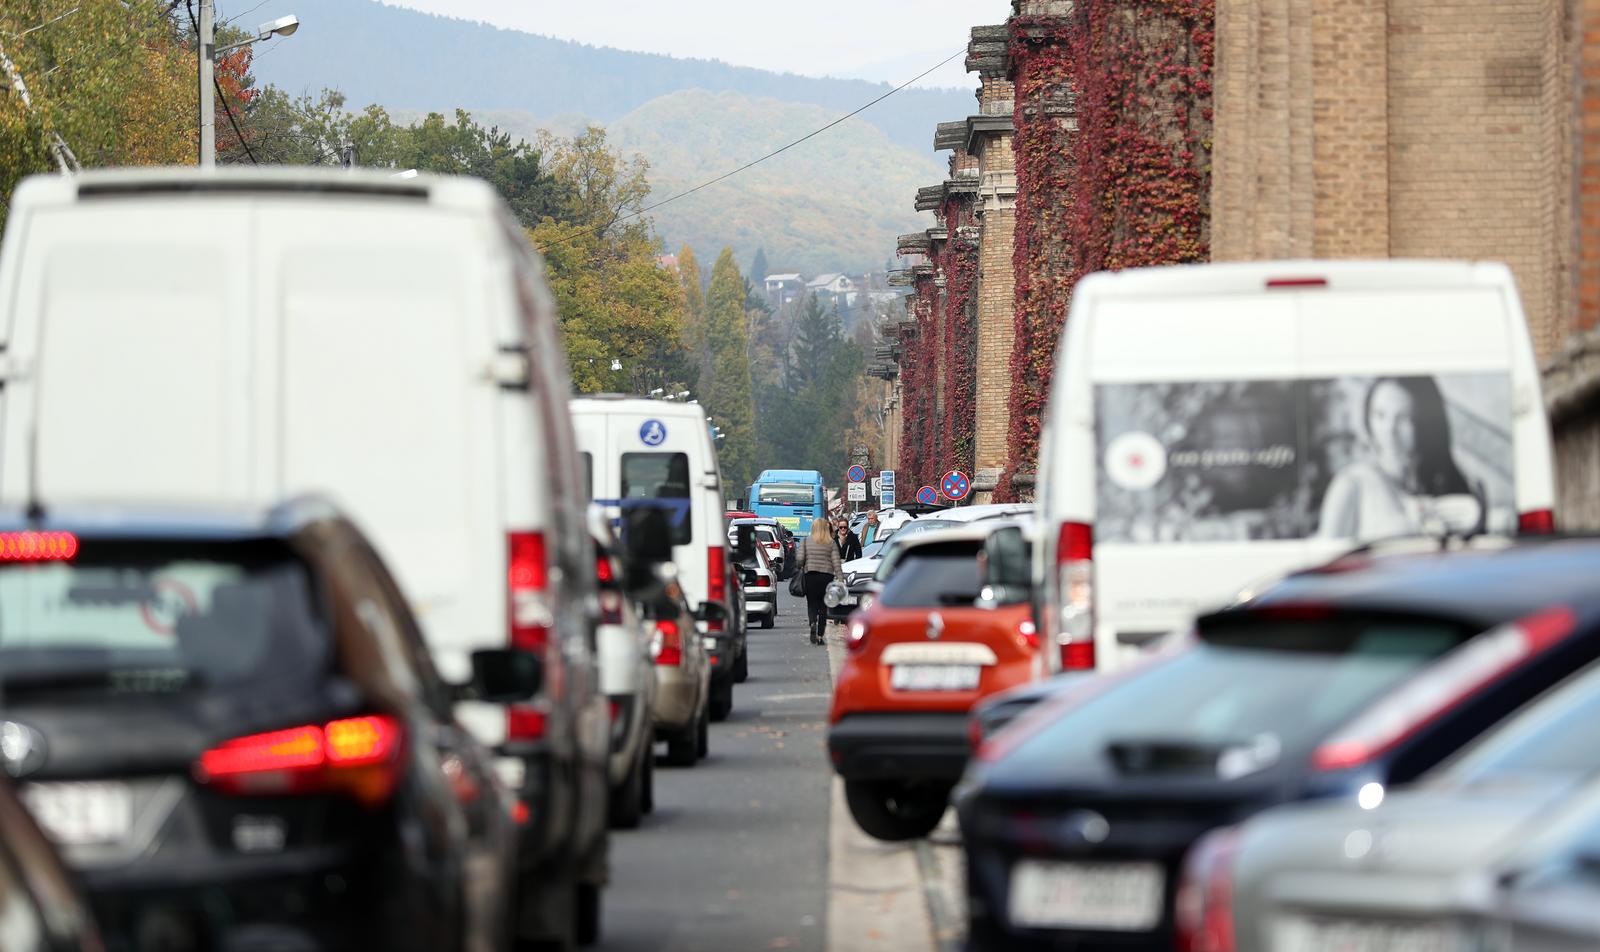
646, 542
503, 676
711, 611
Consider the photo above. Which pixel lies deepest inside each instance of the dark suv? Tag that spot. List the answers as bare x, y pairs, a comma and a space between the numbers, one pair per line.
229, 723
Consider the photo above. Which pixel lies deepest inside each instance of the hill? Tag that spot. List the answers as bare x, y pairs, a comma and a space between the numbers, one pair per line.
406, 59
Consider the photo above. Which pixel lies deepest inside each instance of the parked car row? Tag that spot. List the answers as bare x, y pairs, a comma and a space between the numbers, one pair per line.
329, 619
1323, 676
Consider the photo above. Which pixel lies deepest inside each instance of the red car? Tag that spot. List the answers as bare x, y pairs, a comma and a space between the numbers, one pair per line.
950, 624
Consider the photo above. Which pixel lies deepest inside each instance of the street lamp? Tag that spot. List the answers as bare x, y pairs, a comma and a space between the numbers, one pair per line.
282, 26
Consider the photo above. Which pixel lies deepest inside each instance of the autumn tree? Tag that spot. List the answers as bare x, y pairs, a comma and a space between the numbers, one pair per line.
695, 341
727, 396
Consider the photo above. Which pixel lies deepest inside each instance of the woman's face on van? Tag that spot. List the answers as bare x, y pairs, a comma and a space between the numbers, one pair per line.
1393, 429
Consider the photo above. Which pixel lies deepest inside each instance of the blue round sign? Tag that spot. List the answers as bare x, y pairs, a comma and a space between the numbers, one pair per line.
857, 474
955, 485
927, 496
653, 433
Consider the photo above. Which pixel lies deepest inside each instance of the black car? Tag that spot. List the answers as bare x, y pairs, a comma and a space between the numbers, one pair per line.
1351, 677
40, 904
230, 725
997, 711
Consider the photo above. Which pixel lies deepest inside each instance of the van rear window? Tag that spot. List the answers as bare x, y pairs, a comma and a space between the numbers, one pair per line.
660, 479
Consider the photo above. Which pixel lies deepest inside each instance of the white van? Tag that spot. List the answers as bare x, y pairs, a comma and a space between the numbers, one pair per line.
251, 334
1213, 426
661, 451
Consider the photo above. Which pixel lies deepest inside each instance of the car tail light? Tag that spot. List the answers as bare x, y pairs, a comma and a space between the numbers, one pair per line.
603, 571
1074, 634
526, 722
528, 611
1536, 522
974, 732
666, 645
37, 546
1028, 633
1458, 676
762, 582
359, 756
1203, 908
855, 636
716, 581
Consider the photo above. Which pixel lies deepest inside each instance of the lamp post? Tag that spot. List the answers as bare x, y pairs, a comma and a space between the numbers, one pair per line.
282, 26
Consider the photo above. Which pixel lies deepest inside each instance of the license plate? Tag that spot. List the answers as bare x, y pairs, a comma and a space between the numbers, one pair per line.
1296, 934
1114, 897
710, 641
81, 814
934, 677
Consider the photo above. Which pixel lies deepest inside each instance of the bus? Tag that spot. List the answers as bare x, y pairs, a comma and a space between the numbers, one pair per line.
792, 496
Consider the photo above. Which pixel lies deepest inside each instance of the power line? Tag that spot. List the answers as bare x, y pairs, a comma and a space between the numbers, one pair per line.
754, 162
223, 98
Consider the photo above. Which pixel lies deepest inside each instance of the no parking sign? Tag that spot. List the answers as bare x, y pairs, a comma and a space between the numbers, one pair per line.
955, 485
927, 495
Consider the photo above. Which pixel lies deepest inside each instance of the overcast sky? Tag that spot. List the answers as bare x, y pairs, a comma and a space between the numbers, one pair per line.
884, 40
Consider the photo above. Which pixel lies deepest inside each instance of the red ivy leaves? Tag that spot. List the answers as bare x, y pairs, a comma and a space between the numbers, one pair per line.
1127, 188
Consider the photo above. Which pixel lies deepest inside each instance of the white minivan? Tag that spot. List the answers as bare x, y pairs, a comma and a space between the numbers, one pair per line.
1211, 427
250, 334
660, 453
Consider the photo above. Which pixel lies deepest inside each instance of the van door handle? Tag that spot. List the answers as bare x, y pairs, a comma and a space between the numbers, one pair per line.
510, 369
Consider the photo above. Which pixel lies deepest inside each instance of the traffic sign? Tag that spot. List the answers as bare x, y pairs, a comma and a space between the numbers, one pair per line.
886, 500
856, 492
887, 476
927, 495
857, 474
955, 485
877, 486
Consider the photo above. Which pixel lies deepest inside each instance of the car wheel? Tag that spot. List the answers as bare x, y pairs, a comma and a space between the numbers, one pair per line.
648, 800
683, 748
626, 808
721, 703
703, 738
554, 910
741, 668
766, 620
894, 810
587, 915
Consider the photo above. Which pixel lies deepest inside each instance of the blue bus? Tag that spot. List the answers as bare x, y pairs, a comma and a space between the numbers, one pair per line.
792, 496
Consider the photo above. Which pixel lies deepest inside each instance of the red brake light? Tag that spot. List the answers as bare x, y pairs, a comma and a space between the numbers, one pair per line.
667, 644
762, 582
1203, 908
1075, 543
1458, 676
1077, 656
856, 635
1536, 522
525, 722
1274, 284
37, 546
1028, 632
528, 615
603, 570
359, 756
1072, 620
716, 581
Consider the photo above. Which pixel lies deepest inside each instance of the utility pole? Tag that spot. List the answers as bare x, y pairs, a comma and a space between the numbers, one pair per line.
208, 105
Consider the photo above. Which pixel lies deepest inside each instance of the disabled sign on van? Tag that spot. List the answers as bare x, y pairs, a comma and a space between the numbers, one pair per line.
652, 433
1357, 458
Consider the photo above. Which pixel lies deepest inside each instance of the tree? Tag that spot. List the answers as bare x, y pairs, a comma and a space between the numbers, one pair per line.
694, 317
811, 391
728, 395
758, 266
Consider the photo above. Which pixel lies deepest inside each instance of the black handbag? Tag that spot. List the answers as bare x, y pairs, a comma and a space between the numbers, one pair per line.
797, 581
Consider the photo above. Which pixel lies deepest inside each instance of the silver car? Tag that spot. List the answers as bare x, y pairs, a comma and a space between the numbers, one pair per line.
1497, 850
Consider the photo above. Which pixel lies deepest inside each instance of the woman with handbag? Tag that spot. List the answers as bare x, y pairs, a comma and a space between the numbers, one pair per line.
818, 564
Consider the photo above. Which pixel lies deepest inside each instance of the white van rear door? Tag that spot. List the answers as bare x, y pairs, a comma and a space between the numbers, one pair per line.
133, 328
386, 398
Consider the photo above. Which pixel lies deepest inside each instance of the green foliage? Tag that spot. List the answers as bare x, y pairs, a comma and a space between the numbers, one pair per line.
727, 396
695, 341
812, 391
759, 269
112, 77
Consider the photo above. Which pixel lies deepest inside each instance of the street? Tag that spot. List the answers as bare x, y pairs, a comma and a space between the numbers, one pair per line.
753, 848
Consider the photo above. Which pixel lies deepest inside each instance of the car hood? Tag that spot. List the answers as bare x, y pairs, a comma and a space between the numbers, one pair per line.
859, 566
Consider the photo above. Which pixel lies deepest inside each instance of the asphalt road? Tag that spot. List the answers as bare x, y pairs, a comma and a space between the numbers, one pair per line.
735, 854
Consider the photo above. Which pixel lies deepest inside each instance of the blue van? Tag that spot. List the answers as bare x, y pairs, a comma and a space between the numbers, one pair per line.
794, 497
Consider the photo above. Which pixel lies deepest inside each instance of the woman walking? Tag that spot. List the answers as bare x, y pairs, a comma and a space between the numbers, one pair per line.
818, 559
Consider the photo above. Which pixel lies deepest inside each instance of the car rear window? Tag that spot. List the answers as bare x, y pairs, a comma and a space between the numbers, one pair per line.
1305, 679
660, 479
933, 575
1557, 737
129, 616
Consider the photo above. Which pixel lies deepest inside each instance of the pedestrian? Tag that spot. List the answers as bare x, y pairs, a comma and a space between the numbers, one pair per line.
870, 530
849, 545
819, 560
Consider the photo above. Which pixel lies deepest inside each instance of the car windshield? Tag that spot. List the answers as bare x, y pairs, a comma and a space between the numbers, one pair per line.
159, 616
787, 494
1557, 737
891, 554
660, 479
1306, 679
872, 551
934, 575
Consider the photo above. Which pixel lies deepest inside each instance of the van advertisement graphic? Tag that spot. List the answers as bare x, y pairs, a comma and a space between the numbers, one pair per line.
1356, 458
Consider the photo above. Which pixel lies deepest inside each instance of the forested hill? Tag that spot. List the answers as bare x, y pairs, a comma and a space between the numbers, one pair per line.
406, 59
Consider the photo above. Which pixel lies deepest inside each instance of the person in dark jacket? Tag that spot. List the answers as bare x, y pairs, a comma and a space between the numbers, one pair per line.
849, 545
818, 559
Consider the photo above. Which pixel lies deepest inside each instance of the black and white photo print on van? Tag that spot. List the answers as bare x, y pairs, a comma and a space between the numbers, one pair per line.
1356, 458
